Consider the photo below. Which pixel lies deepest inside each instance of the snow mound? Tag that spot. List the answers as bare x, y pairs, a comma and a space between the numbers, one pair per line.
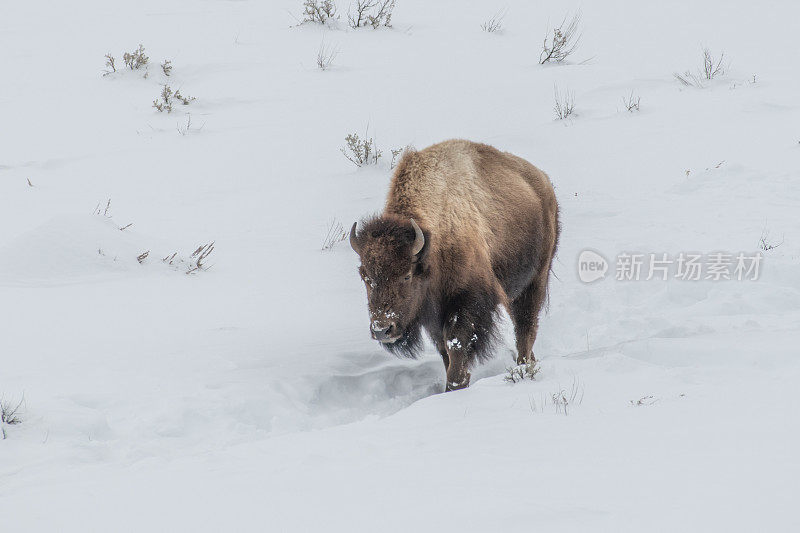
69, 249
72, 249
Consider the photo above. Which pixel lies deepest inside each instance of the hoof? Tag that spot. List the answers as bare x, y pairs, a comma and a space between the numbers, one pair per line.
455, 385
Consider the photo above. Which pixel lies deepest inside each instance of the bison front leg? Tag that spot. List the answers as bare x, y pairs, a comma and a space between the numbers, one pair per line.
458, 370
460, 338
468, 333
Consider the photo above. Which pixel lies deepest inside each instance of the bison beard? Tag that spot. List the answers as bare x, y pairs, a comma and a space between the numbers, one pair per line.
469, 315
487, 232
409, 344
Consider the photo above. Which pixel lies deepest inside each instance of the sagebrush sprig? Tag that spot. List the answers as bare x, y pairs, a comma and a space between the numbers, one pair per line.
563, 42
360, 152
396, 152
631, 102
165, 104
564, 103
319, 11
365, 14
336, 234
110, 64
494, 24
711, 69
518, 373
9, 415
193, 265
199, 257
167, 99
136, 59
325, 56
185, 100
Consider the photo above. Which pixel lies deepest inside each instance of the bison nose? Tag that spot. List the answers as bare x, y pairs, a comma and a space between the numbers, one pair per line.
382, 331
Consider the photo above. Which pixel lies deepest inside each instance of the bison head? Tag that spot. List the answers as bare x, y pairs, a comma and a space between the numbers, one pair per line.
394, 268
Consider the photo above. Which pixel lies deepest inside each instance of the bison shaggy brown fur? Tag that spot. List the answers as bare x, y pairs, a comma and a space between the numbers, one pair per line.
466, 228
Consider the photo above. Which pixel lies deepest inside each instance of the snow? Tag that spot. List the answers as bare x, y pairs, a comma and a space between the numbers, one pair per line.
250, 396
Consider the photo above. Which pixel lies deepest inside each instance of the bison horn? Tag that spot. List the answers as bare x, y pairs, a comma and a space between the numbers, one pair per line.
419, 240
353, 239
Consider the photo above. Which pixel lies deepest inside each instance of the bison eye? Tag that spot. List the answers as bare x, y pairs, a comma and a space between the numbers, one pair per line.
408, 277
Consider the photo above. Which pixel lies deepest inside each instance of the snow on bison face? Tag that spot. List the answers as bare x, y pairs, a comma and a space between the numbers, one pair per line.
394, 271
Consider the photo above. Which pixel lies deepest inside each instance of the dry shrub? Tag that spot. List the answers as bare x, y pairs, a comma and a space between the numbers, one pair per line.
335, 234
711, 69
631, 102
519, 373
319, 11
10, 415
564, 103
375, 13
167, 98
359, 151
166, 67
563, 42
495, 23
325, 56
136, 59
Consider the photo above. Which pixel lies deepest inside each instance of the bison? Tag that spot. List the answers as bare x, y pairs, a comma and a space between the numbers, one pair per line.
466, 228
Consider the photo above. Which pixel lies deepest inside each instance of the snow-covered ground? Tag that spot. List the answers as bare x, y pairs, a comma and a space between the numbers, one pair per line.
249, 397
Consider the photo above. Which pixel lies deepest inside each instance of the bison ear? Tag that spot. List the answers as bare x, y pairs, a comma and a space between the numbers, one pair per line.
354, 239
